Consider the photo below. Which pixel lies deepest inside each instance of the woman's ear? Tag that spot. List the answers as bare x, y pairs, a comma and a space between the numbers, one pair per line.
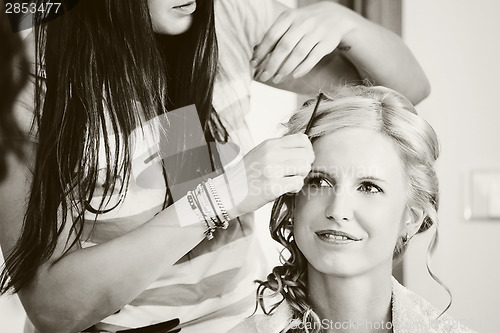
415, 218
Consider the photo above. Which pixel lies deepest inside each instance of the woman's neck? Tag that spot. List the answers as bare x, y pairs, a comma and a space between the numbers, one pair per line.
352, 304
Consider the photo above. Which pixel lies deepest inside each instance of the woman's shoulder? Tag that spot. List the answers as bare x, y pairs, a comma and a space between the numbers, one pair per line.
262, 323
412, 313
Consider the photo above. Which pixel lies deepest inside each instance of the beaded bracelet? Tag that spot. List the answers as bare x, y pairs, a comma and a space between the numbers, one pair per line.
192, 200
218, 222
214, 193
209, 216
209, 233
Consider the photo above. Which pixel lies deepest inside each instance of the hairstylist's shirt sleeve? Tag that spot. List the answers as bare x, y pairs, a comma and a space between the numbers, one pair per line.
254, 17
257, 17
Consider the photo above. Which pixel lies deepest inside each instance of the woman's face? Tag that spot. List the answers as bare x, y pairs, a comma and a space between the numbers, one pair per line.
352, 209
171, 17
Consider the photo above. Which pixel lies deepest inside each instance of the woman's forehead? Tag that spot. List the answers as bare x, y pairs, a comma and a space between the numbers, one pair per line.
357, 152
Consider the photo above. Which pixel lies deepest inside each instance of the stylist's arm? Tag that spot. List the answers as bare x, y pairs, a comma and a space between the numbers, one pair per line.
328, 44
77, 287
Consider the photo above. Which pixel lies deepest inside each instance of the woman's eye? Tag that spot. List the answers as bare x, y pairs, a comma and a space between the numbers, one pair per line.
369, 188
316, 181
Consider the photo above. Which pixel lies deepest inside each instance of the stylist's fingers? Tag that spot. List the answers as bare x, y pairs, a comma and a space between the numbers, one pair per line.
295, 141
260, 69
284, 48
290, 184
299, 147
312, 59
271, 38
274, 167
297, 167
295, 58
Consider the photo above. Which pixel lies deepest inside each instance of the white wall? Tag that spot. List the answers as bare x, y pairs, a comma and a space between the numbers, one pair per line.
458, 44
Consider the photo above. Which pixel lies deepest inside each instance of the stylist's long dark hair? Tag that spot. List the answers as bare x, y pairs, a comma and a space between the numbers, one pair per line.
99, 58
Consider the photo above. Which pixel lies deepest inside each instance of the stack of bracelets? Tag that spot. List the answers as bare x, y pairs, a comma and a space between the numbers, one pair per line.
213, 215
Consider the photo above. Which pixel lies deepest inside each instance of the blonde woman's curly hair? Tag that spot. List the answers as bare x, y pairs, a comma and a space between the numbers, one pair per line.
371, 107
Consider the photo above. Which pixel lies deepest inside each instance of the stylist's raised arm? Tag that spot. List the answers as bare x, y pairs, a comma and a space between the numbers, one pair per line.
328, 44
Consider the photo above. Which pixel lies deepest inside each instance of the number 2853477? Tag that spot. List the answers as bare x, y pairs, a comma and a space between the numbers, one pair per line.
32, 7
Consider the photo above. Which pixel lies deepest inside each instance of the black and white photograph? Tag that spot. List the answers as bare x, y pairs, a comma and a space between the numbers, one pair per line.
249, 166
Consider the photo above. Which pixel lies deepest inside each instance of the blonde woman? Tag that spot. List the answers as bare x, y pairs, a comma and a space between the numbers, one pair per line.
371, 189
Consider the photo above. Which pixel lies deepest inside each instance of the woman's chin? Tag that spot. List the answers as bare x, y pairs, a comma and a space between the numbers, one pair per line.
179, 27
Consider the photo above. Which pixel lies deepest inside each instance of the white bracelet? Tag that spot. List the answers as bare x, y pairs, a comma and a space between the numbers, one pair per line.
214, 193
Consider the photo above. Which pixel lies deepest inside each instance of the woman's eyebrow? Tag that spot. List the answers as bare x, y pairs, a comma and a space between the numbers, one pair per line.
372, 178
322, 171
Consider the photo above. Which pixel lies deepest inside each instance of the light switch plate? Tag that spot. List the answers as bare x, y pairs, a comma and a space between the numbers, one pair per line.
483, 195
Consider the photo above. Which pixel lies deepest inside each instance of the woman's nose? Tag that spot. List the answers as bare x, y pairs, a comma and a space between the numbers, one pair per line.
340, 206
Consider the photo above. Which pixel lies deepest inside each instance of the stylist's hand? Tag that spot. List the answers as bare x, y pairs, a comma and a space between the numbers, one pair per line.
274, 167
300, 38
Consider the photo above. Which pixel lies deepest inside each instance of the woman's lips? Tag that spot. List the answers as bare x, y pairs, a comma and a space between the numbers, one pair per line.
336, 237
187, 8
